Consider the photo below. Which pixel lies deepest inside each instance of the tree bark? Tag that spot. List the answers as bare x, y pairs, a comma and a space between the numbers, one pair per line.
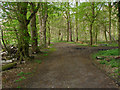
3, 40
23, 44
91, 24
34, 34
91, 38
96, 35
49, 34
69, 31
105, 30
45, 21
76, 23
40, 26
119, 26
68, 27
110, 7
69, 21
61, 36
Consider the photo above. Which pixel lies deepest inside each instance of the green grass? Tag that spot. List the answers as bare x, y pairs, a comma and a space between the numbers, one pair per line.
51, 44
20, 79
113, 62
38, 61
45, 54
112, 52
18, 87
59, 41
94, 45
103, 62
52, 49
108, 44
22, 73
113, 44
71, 42
81, 44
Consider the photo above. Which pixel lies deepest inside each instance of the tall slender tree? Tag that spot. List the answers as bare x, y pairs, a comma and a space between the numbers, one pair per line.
34, 35
110, 9
45, 13
76, 22
119, 26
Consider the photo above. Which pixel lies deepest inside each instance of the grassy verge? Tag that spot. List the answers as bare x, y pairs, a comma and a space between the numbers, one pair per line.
109, 61
87, 43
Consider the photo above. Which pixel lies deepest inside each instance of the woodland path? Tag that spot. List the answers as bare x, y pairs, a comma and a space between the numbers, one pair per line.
70, 66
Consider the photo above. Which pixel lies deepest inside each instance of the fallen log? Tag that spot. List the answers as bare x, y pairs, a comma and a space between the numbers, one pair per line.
108, 58
100, 57
8, 66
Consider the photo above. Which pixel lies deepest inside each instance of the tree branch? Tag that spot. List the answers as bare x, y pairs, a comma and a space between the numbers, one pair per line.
88, 17
34, 12
98, 11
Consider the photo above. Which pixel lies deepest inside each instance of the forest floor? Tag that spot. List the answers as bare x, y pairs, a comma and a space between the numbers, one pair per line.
70, 66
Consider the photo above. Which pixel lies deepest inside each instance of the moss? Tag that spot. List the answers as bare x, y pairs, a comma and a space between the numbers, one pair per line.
8, 66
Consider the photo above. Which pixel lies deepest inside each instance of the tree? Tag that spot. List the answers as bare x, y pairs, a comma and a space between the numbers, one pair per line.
49, 34
20, 10
34, 35
23, 43
119, 26
69, 31
45, 13
110, 8
76, 22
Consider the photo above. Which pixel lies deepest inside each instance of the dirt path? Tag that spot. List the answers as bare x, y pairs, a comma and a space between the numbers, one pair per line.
70, 66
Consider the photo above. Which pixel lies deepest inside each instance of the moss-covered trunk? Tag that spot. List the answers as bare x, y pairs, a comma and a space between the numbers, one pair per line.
119, 25
23, 43
34, 34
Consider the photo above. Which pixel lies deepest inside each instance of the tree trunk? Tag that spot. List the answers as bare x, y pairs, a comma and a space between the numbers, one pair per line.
119, 38
23, 44
59, 34
40, 24
91, 24
44, 32
68, 26
91, 38
110, 20
105, 33
69, 22
76, 24
49, 34
70, 33
96, 35
119, 26
45, 21
3, 41
34, 36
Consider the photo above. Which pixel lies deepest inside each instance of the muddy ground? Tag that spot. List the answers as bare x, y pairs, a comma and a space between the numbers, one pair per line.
70, 66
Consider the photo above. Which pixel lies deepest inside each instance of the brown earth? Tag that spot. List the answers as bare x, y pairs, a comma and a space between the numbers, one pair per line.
70, 66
